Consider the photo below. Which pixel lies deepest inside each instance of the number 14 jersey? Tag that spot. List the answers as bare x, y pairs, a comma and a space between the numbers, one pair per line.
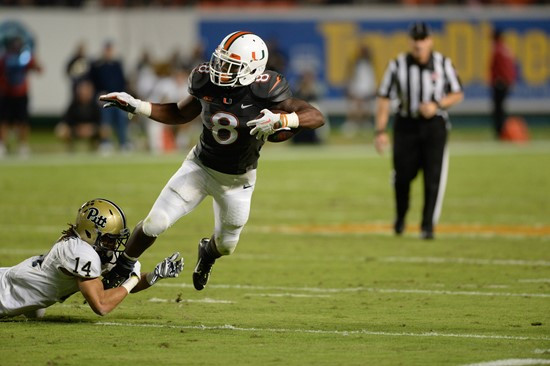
41, 281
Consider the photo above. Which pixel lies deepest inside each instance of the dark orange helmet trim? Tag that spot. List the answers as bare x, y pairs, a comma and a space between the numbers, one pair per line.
233, 38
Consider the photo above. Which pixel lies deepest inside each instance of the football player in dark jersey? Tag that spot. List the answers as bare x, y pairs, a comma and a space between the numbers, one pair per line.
235, 97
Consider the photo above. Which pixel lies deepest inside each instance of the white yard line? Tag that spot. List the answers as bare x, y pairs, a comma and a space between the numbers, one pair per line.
327, 332
205, 300
513, 362
476, 261
360, 289
287, 294
535, 280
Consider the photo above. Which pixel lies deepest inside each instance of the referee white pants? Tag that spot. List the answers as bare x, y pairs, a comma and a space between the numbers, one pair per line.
190, 185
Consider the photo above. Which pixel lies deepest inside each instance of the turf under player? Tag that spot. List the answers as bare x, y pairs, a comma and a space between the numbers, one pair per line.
75, 263
230, 93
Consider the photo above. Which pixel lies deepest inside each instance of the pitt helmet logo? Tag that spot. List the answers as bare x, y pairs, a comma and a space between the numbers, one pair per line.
258, 59
96, 218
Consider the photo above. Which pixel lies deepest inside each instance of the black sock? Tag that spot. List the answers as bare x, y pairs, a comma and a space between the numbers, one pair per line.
125, 264
211, 252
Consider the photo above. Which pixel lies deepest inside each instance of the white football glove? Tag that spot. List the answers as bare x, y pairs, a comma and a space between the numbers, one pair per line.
137, 270
266, 125
170, 267
127, 103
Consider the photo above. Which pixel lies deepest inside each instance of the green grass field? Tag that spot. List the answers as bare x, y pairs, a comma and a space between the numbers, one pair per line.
317, 278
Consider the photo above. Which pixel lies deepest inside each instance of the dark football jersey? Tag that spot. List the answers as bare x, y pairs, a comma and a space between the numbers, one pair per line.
226, 144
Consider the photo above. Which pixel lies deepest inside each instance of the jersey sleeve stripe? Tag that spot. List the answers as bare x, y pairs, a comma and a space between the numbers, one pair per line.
276, 83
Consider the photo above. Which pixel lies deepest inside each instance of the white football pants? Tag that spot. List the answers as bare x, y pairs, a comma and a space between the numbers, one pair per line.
190, 185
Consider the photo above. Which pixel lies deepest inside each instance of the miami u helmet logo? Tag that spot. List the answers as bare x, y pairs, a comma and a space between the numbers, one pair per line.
258, 59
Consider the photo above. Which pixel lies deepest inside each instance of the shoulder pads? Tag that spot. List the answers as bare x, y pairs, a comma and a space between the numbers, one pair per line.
199, 77
271, 86
80, 259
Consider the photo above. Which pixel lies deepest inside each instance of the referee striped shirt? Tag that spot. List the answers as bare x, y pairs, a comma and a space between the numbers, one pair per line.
413, 83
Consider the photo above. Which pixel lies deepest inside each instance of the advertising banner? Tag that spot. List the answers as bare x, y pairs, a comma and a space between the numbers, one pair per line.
328, 46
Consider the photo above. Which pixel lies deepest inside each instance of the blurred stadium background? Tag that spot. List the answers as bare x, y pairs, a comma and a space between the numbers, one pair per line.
316, 37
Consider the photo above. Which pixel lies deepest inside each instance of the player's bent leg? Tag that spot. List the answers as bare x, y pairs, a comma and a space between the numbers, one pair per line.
222, 243
231, 211
207, 255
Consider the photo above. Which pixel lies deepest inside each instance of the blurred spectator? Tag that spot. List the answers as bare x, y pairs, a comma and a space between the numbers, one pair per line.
170, 88
15, 65
143, 81
197, 57
502, 78
107, 76
310, 90
78, 67
82, 119
361, 93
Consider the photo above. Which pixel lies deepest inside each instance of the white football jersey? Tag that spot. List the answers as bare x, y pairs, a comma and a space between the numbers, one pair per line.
39, 282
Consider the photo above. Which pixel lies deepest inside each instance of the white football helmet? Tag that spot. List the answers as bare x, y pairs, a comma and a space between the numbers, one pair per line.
238, 60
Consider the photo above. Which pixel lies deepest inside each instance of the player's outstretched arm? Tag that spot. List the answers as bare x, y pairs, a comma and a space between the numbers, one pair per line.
167, 113
104, 301
101, 301
309, 117
170, 267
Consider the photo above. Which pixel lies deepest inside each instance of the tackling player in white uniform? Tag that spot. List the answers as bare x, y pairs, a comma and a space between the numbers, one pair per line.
235, 97
75, 262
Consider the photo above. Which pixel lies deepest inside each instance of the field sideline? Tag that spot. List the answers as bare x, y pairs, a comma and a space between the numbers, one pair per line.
317, 278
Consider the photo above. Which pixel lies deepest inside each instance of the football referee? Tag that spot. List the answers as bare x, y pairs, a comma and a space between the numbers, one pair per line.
425, 84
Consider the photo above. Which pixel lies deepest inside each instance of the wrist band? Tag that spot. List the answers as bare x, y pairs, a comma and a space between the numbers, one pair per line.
130, 283
290, 120
144, 108
379, 132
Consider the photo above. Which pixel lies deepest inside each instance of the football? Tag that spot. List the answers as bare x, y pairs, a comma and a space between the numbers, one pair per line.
282, 135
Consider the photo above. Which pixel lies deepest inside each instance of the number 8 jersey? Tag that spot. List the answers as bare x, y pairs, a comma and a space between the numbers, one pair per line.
226, 144
41, 281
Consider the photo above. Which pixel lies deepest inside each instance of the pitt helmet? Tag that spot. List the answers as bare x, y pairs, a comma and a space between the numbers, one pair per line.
102, 224
238, 60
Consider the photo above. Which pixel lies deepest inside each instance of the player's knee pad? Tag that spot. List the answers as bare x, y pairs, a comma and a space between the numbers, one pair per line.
226, 242
155, 224
226, 247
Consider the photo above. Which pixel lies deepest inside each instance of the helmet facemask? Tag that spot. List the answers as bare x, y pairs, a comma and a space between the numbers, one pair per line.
238, 60
226, 68
109, 246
